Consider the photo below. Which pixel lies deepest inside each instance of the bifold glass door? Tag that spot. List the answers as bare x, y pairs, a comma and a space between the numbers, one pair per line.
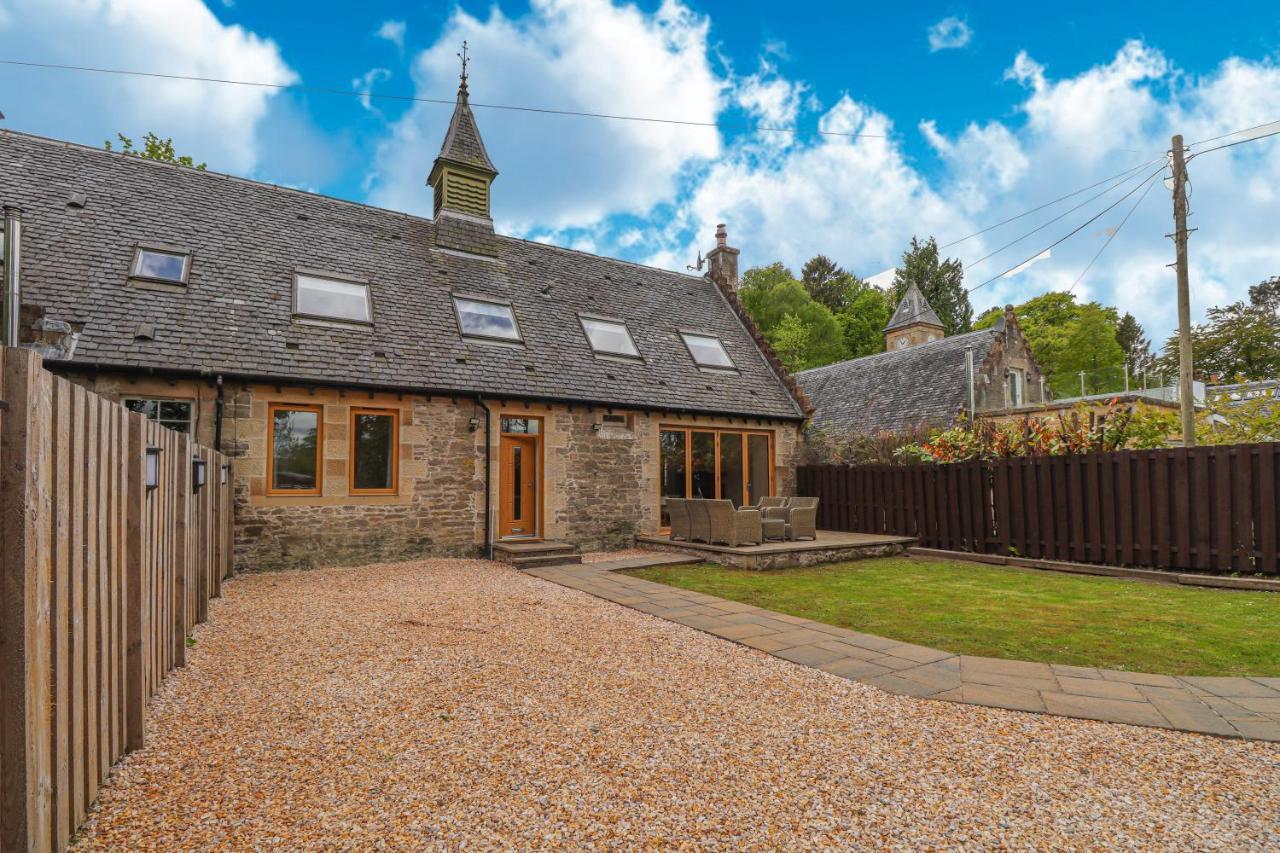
735, 465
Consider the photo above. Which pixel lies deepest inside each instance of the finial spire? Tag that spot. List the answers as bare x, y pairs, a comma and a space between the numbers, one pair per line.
462, 86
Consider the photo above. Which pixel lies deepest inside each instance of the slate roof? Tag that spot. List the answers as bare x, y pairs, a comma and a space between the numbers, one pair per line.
894, 391
913, 308
248, 238
462, 142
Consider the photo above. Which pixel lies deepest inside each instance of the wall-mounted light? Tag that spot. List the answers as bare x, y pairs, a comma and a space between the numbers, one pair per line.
153, 467
225, 472
474, 423
198, 468
597, 426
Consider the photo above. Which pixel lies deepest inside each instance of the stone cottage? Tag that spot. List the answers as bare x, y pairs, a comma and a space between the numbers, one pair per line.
392, 386
924, 378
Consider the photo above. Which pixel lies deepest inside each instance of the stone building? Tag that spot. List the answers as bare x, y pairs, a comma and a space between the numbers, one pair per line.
923, 377
392, 386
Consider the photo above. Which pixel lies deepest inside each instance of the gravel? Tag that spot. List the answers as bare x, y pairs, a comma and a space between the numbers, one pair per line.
444, 702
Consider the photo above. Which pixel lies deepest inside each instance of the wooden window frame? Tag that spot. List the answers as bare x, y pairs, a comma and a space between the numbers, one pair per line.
717, 432
272, 408
394, 414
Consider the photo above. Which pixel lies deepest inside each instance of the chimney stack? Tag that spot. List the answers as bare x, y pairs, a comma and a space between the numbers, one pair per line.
722, 262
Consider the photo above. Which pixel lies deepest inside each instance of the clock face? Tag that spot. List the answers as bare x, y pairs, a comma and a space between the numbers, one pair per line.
932, 338
900, 343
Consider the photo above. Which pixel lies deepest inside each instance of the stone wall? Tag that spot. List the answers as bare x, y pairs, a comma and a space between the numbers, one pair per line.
1009, 350
600, 487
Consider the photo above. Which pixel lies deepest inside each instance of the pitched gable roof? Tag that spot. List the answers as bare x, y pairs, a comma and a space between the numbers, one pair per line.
897, 390
913, 308
248, 239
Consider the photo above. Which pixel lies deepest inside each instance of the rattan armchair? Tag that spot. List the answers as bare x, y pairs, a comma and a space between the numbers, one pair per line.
699, 525
734, 527
800, 515
678, 511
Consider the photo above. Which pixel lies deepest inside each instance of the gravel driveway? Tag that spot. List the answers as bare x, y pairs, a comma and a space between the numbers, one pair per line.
431, 703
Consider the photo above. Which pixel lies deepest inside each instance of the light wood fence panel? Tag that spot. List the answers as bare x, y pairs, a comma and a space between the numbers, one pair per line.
102, 580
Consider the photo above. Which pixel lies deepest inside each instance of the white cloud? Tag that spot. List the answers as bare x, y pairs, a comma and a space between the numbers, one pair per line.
584, 55
392, 31
217, 124
364, 85
1021, 268
949, 33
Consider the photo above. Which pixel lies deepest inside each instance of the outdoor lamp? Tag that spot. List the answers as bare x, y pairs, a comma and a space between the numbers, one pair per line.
474, 423
153, 467
198, 467
225, 469
597, 426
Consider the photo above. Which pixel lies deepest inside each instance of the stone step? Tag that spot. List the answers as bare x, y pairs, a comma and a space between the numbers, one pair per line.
524, 548
539, 560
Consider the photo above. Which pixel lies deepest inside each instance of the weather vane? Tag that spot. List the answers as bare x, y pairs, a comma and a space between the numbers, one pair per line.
463, 57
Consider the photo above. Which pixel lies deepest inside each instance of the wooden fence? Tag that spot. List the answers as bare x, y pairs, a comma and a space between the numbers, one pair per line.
1208, 509
102, 580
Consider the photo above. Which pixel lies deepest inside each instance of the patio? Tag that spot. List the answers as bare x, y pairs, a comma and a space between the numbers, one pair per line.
830, 546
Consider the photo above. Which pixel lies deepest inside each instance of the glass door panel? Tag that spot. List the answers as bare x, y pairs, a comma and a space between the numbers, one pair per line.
702, 464
759, 468
674, 469
731, 467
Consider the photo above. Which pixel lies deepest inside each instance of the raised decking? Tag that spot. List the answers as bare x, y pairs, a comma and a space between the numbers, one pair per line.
829, 547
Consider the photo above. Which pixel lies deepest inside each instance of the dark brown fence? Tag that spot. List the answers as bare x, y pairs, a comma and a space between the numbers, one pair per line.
102, 580
1209, 509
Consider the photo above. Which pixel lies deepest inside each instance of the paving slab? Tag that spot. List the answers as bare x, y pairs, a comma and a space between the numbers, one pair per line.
1228, 707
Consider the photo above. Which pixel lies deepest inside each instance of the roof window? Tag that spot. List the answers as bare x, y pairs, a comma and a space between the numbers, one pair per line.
609, 337
707, 351
479, 318
331, 299
166, 265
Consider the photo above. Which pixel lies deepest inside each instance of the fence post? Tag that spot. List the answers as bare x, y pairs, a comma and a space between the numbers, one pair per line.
26, 785
135, 686
181, 567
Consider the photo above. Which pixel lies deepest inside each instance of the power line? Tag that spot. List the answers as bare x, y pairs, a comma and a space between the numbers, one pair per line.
1237, 142
1234, 133
1046, 224
1069, 234
1125, 173
1151, 182
325, 90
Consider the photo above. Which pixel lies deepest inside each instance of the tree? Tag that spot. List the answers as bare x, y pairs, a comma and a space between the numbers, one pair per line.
862, 322
789, 318
1238, 342
1135, 344
828, 284
941, 282
1091, 347
1266, 295
154, 148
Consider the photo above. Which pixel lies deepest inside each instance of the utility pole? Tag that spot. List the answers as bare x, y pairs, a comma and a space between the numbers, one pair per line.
1186, 397
1082, 394
1126, 376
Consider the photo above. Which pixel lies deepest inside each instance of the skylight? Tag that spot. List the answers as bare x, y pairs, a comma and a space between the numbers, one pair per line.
609, 337
161, 265
480, 319
707, 350
331, 299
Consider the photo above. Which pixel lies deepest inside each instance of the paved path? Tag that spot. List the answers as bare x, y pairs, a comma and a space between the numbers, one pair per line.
1231, 707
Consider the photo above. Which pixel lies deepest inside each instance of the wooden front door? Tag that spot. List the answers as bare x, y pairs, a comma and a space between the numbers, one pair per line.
519, 486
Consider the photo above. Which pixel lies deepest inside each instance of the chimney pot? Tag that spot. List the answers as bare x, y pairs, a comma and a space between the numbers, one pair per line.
722, 235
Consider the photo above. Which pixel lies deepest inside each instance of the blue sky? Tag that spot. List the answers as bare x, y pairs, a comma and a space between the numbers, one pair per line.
988, 109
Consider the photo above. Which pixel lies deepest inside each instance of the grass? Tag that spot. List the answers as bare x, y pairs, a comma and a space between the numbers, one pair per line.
997, 611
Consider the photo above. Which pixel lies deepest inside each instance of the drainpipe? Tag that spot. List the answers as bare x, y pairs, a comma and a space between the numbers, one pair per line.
968, 362
12, 264
488, 477
217, 416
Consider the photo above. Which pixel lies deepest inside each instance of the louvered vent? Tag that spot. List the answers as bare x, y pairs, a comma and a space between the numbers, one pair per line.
466, 194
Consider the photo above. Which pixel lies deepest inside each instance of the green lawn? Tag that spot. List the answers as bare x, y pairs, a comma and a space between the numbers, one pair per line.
996, 611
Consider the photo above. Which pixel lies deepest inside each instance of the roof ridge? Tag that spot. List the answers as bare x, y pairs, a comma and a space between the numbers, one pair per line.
146, 162
912, 349
213, 173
